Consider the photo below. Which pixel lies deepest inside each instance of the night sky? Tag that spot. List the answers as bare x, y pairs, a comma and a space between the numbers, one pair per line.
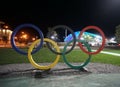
76, 14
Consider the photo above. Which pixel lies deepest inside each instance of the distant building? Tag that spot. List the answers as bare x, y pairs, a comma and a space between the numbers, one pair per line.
5, 35
92, 39
111, 42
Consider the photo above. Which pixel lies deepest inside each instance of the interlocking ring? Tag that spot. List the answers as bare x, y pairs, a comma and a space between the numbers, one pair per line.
37, 65
63, 27
103, 39
83, 64
52, 44
17, 29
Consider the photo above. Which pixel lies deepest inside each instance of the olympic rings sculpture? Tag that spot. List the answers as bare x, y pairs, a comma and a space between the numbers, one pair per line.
50, 42
82, 65
103, 39
37, 65
15, 32
63, 27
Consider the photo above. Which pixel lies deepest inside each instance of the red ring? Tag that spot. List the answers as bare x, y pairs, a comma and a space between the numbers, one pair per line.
103, 39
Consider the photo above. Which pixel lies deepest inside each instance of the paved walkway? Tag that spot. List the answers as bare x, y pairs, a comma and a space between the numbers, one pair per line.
98, 75
85, 80
111, 53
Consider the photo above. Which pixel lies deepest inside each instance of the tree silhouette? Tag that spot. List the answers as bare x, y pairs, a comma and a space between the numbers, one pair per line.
5, 39
117, 33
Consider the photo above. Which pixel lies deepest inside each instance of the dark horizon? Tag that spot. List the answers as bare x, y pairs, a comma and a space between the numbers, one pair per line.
75, 14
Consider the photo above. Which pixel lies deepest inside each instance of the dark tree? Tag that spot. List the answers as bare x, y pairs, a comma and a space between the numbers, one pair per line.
5, 39
117, 33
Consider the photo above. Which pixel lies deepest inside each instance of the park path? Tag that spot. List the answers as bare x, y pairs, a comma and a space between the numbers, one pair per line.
111, 53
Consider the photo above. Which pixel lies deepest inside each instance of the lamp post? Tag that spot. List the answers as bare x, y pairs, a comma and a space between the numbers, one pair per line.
65, 33
1, 29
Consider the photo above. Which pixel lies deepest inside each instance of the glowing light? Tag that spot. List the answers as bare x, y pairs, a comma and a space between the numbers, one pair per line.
33, 38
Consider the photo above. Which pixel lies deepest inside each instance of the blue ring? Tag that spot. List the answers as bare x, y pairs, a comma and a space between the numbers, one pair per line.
17, 29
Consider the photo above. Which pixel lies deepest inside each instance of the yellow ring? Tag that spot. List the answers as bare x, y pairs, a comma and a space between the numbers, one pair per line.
37, 65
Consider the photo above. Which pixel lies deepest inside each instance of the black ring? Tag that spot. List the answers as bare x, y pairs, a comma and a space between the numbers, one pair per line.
63, 27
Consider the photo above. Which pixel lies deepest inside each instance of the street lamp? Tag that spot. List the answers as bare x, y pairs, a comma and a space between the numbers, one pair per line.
24, 36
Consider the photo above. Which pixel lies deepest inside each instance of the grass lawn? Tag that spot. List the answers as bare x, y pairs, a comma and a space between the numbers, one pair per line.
112, 50
10, 56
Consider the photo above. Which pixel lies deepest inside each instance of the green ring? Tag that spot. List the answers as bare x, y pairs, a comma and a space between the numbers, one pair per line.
79, 66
